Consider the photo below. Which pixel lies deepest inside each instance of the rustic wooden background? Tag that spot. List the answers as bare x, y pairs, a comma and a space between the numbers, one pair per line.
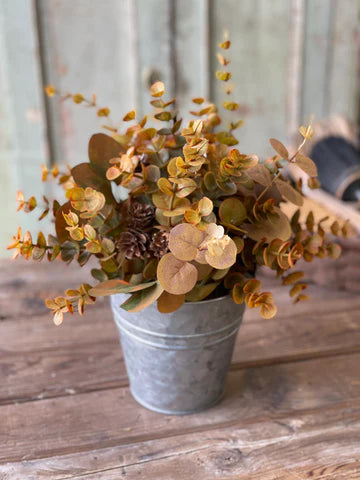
291, 58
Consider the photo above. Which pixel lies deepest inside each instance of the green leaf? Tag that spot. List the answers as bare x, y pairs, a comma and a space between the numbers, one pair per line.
232, 211
109, 287
226, 139
68, 251
142, 299
99, 275
199, 292
163, 116
277, 227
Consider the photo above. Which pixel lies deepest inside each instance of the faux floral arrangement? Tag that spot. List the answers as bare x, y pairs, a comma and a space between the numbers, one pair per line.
176, 214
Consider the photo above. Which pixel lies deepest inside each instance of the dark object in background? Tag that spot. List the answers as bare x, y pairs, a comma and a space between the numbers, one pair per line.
338, 163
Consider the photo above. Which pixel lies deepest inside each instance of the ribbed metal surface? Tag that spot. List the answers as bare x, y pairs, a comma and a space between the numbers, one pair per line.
177, 362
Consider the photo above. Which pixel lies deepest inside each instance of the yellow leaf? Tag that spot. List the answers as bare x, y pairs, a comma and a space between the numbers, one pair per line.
292, 278
231, 106
225, 45
78, 98
306, 132
129, 116
103, 112
165, 186
268, 310
50, 90
157, 89
223, 76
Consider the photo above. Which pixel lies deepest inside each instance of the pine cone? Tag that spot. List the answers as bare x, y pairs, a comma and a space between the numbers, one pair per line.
159, 245
141, 216
133, 243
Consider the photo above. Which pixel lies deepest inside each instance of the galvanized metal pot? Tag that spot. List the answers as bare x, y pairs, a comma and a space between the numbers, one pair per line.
177, 362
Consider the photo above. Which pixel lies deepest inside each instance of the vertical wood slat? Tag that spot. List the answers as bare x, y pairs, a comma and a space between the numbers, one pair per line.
191, 53
344, 85
87, 49
259, 32
155, 49
23, 145
295, 66
317, 57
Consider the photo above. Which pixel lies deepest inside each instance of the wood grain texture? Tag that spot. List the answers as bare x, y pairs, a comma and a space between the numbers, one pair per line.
344, 91
192, 54
83, 355
89, 51
48, 427
259, 67
291, 409
23, 145
321, 445
155, 38
317, 58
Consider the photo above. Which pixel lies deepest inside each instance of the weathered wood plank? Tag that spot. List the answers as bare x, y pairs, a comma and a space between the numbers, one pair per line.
108, 418
154, 23
191, 66
344, 89
84, 354
259, 66
23, 145
90, 50
317, 58
321, 445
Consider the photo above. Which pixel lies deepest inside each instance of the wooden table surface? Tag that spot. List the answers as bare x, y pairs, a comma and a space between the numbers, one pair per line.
291, 411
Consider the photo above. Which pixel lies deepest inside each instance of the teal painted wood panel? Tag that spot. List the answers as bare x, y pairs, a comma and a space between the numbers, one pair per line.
259, 31
344, 84
23, 146
192, 55
154, 49
290, 59
88, 47
317, 58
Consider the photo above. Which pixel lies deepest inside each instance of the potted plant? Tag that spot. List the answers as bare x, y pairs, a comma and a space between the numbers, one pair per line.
178, 220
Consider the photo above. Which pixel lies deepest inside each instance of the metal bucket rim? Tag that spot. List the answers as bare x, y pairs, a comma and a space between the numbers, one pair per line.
223, 297
208, 301
150, 333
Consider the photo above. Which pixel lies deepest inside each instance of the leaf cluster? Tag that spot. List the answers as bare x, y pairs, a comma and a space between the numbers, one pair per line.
218, 208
